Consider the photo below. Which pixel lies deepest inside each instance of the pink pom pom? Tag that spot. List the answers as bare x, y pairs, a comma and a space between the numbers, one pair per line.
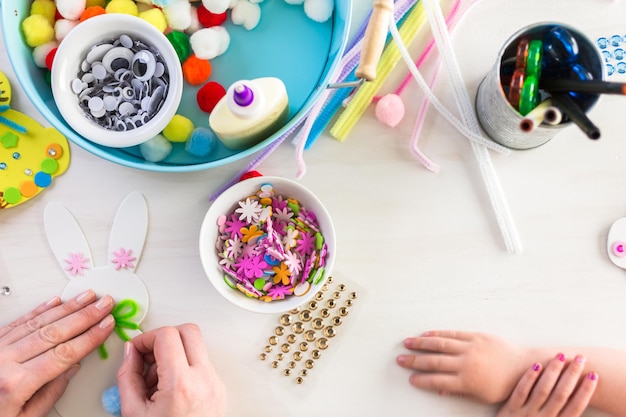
390, 110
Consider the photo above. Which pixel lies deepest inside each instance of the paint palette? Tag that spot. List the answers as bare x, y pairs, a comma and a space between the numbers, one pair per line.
286, 44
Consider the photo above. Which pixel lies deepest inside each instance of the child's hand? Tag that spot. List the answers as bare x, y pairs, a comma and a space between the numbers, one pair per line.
553, 392
476, 365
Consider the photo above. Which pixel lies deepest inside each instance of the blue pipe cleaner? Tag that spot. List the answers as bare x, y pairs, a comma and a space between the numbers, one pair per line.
10, 123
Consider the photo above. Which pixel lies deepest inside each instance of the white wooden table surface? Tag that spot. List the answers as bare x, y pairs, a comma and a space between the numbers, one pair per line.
422, 249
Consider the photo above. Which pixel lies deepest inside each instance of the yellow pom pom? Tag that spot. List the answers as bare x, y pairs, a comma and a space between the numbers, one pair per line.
155, 17
100, 3
179, 129
46, 8
37, 30
122, 6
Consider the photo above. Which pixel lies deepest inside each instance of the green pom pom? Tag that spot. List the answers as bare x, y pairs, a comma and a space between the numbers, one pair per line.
181, 44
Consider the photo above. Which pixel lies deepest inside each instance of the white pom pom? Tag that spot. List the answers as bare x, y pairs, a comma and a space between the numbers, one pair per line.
216, 6
246, 14
319, 10
178, 14
195, 23
294, 1
155, 149
210, 42
62, 27
41, 52
71, 9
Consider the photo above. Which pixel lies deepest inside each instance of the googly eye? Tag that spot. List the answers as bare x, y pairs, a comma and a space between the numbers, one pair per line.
143, 65
117, 58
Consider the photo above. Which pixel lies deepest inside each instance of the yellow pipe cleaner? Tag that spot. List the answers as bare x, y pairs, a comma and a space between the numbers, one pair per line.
409, 28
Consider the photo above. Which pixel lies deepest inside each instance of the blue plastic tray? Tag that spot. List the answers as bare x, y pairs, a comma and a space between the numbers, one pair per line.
286, 44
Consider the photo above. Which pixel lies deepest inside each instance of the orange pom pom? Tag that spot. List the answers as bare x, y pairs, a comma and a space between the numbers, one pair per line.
91, 12
195, 70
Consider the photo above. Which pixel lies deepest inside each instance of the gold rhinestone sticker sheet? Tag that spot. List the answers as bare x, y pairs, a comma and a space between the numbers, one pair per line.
303, 337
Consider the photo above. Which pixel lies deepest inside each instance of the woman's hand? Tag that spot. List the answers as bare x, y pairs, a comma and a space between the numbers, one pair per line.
167, 373
40, 351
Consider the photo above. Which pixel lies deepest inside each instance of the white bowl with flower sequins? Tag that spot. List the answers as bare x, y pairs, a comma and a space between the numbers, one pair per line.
116, 80
262, 260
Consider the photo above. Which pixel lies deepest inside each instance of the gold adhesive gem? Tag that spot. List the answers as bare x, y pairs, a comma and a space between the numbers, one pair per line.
291, 365
294, 311
299, 380
275, 364
304, 372
268, 348
285, 347
306, 315
313, 305
263, 356
280, 330
287, 372
322, 343
336, 321
309, 335
325, 313
298, 327
273, 340
325, 287
317, 323
309, 364
316, 354
285, 320
341, 287
329, 331
330, 280
280, 356
297, 356
319, 296
353, 295
331, 303
349, 303
336, 295
343, 311
304, 346
291, 338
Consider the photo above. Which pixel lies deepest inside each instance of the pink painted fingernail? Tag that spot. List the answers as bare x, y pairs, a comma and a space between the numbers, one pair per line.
561, 357
580, 359
592, 376
536, 367
426, 334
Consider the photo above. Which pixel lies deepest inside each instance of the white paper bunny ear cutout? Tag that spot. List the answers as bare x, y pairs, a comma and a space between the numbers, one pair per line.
616, 243
66, 240
128, 234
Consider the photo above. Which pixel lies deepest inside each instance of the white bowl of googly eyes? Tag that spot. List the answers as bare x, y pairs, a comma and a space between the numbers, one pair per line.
116, 80
267, 244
